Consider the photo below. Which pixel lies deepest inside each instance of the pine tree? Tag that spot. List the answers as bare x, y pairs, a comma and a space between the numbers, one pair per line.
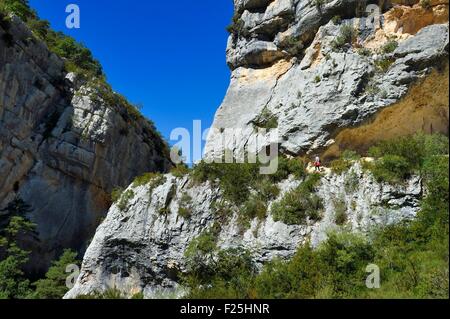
13, 283
54, 284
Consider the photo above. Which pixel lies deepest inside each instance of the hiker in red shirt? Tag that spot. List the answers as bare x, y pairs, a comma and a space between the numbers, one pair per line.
317, 164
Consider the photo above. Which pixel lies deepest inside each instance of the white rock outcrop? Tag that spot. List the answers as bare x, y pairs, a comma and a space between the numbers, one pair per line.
141, 249
293, 71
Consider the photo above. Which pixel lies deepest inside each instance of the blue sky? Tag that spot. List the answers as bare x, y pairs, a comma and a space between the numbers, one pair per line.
167, 55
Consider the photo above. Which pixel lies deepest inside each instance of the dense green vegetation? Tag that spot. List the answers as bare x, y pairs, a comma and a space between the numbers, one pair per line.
344, 162
244, 187
14, 283
299, 205
398, 159
413, 256
53, 286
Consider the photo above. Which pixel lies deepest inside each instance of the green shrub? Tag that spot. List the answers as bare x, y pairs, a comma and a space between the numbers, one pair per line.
346, 36
426, 4
237, 26
180, 170
317, 79
344, 257
391, 169
266, 189
235, 179
20, 8
125, 199
384, 64
111, 294
340, 212
230, 276
351, 182
286, 167
221, 209
336, 19
254, 207
293, 46
40, 28
345, 161
185, 209
364, 52
266, 120
53, 286
144, 179
116, 194
389, 47
157, 181
299, 205
372, 88
340, 166
13, 281
199, 254
399, 158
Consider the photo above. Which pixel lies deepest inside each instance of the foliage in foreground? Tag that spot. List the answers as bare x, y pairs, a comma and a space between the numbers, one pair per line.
14, 283
53, 286
244, 187
413, 256
400, 158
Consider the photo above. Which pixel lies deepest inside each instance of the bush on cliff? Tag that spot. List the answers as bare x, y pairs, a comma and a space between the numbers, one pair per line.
413, 256
300, 204
399, 158
53, 286
13, 282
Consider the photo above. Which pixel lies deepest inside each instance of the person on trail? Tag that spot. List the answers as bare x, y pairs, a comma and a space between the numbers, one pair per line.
317, 164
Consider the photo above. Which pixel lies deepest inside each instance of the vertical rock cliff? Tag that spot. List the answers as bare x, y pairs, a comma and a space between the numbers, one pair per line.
318, 69
63, 148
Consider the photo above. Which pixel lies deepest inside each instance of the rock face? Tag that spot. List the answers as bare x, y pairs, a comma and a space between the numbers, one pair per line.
61, 151
285, 62
139, 249
290, 66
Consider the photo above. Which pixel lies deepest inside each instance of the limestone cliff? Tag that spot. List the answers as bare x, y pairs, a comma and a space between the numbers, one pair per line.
141, 249
290, 62
62, 149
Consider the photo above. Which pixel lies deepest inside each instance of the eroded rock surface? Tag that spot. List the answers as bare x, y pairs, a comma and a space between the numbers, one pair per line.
316, 90
141, 249
61, 151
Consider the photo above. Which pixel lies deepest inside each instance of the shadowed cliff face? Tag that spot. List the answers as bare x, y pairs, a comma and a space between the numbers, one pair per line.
61, 150
287, 61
